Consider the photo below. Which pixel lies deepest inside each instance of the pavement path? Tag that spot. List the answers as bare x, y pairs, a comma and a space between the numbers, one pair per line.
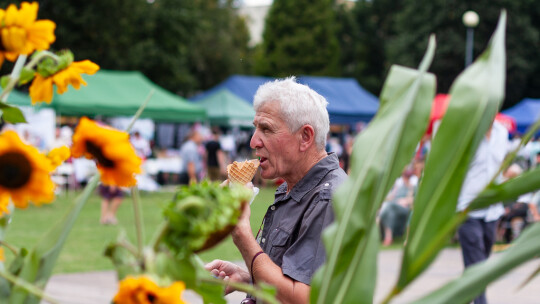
100, 287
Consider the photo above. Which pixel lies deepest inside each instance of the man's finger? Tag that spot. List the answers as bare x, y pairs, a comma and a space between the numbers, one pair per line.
213, 265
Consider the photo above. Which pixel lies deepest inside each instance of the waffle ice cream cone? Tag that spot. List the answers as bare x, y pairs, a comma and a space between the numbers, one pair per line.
242, 172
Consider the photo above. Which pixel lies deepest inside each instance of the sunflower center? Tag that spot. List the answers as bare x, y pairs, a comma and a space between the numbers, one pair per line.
15, 170
96, 152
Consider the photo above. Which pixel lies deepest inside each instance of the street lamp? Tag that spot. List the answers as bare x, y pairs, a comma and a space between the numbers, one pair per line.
470, 19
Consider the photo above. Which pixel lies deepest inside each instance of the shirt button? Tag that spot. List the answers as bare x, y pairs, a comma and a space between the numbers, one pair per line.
273, 208
327, 184
263, 240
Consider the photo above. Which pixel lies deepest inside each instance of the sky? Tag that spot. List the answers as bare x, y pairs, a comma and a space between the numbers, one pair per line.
257, 2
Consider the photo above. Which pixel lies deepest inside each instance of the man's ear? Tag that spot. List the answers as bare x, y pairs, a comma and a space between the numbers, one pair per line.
307, 137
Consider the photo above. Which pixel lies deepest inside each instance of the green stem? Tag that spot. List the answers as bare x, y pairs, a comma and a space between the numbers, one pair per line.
395, 291
10, 247
27, 286
13, 78
129, 248
162, 230
38, 57
139, 111
138, 219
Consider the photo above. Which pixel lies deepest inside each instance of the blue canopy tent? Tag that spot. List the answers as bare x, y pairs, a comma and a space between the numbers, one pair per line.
526, 113
348, 102
240, 85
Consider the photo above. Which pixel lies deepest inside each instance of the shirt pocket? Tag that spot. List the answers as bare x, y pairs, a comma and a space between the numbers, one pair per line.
278, 242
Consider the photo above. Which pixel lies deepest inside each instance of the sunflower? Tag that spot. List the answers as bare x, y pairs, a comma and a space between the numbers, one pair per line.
142, 290
21, 33
24, 173
42, 87
58, 155
115, 156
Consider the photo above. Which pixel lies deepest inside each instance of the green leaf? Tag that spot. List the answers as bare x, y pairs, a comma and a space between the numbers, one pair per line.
12, 114
475, 278
475, 99
4, 81
177, 269
511, 189
123, 259
40, 261
4, 284
26, 76
379, 155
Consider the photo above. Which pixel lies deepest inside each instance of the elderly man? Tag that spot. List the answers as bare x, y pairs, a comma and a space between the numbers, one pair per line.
291, 124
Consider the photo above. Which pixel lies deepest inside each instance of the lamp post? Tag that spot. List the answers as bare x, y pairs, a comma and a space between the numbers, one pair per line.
470, 19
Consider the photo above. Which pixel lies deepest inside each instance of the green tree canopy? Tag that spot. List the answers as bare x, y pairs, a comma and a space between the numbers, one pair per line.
184, 46
299, 38
385, 32
420, 18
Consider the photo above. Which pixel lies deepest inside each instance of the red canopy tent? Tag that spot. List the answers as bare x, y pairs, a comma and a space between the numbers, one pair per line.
440, 104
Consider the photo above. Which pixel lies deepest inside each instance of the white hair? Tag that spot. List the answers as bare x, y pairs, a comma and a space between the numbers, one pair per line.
299, 106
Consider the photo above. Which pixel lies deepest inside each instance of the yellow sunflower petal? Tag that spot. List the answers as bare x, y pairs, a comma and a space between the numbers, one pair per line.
27, 14
58, 155
116, 159
14, 39
86, 67
41, 34
72, 75
4, 202
41, 89
12, 14
24, 172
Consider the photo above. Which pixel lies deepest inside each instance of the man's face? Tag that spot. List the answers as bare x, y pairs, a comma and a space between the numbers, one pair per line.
277, 148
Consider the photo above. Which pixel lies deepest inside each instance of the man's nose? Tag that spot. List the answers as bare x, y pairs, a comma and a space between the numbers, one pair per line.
255, 142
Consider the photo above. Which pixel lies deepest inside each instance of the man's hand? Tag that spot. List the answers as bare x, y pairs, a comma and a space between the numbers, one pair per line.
228, 271
242, 231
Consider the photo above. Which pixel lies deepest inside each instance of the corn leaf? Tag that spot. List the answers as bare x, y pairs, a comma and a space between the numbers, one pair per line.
379, 155
39, 262
476, 96
511, 189
475, 278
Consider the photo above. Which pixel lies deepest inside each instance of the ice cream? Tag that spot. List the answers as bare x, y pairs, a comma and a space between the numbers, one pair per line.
242, 172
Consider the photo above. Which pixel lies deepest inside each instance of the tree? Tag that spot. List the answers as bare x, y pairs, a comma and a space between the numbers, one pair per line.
184, 46
420, 18
364, 31
299, 38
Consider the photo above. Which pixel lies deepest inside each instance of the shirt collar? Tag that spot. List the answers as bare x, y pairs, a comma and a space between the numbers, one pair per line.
310, 180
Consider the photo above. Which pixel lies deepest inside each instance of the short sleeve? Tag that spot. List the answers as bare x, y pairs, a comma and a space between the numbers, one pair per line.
307, 253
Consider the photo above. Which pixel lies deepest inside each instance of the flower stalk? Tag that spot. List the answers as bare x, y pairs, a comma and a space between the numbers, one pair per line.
139, 225
27, 286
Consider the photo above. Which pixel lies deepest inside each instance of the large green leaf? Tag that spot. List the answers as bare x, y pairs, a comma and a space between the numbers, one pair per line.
379, 155
475, 278
476, 96
511, 189
39, 262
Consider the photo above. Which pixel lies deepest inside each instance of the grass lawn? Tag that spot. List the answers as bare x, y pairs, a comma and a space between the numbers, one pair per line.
83, 250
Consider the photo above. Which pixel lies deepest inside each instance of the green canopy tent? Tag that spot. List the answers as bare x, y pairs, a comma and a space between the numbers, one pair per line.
120, 93
226, 109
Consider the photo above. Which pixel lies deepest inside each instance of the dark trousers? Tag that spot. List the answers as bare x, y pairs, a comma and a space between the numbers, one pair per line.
476, 237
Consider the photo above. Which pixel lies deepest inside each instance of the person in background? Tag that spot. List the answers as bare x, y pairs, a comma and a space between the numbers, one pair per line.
192, 164
111, 198
215, 158
397, 207
477, 233
291, 123
141, 145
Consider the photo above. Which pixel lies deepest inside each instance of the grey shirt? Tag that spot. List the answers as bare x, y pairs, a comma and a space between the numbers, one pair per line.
293, 224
